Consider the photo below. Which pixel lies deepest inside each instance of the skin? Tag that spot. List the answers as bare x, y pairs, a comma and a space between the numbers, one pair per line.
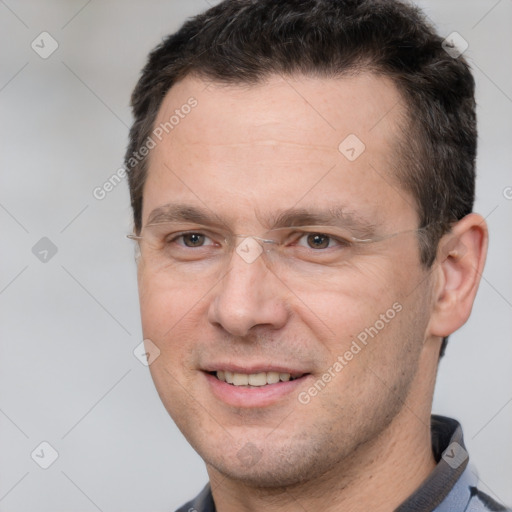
244, 154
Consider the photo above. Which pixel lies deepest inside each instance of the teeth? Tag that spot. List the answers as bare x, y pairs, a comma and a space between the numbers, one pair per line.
272, 377
240, 379
257, 379
253, 379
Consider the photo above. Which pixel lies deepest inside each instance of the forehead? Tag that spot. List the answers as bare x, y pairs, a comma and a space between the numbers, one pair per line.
286, 137
365, 102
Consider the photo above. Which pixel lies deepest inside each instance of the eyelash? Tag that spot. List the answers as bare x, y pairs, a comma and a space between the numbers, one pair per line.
188, 233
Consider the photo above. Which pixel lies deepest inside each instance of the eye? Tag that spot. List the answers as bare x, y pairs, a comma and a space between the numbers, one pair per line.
191, 240
320, 241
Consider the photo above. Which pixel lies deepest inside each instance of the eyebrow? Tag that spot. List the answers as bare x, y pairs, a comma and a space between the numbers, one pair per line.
292, 217
329, 216
184, 213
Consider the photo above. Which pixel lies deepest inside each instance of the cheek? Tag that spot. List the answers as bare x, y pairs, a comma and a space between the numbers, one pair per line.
170, 313
171, 319
346, 304
371, 314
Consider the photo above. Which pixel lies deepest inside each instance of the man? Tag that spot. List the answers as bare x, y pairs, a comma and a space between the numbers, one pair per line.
302, 182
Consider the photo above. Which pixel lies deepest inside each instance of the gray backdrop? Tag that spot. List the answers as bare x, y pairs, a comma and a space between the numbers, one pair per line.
68, 298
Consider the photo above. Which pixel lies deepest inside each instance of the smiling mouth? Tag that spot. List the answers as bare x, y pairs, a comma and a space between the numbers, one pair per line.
254, 380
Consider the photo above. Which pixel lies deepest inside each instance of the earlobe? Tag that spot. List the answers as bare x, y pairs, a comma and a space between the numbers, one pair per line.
460, 262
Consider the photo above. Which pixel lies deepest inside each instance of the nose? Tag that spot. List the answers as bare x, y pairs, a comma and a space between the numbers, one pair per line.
249, 295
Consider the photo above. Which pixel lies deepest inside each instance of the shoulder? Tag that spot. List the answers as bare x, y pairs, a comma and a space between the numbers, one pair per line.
481, 502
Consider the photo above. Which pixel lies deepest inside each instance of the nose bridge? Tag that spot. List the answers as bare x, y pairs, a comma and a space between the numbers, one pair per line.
248, 294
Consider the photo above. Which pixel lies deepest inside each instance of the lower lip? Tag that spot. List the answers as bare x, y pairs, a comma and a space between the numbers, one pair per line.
262, 396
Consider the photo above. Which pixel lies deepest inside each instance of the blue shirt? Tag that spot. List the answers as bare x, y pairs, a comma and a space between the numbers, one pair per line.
451, 487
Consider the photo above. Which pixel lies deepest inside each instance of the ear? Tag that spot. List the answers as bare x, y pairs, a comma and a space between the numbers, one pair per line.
458, 268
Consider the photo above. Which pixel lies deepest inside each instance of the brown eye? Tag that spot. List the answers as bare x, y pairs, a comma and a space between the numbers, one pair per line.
193, 239
318, 241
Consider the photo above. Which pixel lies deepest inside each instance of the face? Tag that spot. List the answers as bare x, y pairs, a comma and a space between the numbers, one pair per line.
319, 338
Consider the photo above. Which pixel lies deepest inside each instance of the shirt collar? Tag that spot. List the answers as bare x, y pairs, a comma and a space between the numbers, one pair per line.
451, 457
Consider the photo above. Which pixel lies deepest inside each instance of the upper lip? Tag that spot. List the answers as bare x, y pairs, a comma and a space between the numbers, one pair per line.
253, 368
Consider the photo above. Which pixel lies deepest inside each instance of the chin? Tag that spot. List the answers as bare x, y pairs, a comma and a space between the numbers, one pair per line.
265, 476
271, 468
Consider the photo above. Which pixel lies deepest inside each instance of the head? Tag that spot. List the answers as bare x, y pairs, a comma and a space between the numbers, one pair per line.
291, 113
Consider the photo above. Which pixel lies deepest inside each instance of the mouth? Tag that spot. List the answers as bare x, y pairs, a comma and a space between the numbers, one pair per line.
255, 380
254, 387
